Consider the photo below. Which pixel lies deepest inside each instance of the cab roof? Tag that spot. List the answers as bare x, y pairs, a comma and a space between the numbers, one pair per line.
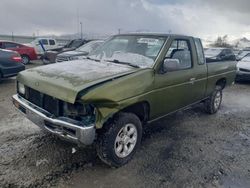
153, 34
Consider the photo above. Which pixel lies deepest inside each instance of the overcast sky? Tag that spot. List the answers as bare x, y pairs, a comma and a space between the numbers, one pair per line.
203, 18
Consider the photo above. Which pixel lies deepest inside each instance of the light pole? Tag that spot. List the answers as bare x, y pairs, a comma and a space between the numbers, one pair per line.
81, 29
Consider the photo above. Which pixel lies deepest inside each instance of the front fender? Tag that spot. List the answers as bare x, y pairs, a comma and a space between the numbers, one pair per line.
105, 112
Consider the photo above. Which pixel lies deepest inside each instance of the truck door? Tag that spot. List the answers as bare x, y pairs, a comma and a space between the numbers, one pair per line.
45, 44
174, 88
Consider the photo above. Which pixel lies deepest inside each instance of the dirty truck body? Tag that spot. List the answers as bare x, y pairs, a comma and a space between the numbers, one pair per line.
129, 81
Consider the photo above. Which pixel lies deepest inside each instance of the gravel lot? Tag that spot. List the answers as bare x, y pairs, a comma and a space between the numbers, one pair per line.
187, 149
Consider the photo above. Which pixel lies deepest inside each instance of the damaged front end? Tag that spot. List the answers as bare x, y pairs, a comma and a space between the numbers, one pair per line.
84, 113
73, 122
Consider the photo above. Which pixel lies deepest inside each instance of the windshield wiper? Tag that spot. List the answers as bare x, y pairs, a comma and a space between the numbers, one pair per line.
89, 58
121, 62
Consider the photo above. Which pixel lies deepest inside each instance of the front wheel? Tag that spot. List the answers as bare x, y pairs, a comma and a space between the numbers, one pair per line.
213, 103
119, 139
25, 59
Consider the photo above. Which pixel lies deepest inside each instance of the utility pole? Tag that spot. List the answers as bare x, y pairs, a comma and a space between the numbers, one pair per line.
12, 36
81, 29
77, 21
119, 31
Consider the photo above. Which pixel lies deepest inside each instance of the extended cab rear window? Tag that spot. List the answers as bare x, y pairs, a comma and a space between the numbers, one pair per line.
200, 52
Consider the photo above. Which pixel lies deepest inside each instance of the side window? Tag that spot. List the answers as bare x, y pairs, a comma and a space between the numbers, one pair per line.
10, 45
44, 41
226, 55
52, 42
200, 52
230, 55
179, 55
1, 45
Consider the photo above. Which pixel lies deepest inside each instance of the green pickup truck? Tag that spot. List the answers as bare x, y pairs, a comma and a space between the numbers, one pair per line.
129, 81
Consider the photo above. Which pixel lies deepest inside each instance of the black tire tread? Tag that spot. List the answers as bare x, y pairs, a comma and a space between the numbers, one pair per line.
103, 147
27, 57
209, 103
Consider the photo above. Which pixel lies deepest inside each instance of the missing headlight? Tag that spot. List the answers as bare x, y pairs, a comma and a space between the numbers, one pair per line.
79, 112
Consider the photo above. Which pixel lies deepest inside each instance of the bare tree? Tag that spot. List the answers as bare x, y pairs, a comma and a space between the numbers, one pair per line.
221, 42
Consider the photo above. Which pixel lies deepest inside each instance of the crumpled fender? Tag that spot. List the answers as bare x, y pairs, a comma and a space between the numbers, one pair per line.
118, 94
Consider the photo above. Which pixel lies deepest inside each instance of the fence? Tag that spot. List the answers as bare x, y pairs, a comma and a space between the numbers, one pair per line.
27, 39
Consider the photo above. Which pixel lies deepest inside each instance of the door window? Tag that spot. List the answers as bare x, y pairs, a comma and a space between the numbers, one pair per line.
52, 42
10, 45
180, 52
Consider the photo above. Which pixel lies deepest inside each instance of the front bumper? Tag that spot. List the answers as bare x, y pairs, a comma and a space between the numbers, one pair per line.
66, 128
243, 76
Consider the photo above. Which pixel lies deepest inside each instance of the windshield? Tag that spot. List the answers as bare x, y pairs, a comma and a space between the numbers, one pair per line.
138, 51
90, 46
243, 53
212, 52
246, 58
74, 43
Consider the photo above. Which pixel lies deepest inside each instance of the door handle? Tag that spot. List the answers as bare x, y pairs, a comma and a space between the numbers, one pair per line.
192, 80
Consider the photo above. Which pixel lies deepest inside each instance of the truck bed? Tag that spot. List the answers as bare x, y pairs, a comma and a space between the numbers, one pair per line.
220, 70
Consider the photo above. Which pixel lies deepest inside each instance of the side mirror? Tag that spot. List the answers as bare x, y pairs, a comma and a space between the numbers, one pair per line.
171, 65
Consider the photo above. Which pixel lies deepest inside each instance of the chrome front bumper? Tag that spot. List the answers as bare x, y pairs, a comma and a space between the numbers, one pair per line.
65, 128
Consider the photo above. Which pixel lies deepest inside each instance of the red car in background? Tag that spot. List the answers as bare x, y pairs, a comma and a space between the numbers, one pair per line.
27, 53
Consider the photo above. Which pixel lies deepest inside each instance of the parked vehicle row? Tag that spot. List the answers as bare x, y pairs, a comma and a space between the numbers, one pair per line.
219, 54
83, 50
50, 55
225, 54
128, 81
27, 53
243, 69
43, 44
10, 63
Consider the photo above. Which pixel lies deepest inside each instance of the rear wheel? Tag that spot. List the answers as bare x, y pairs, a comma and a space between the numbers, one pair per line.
213, 103
120, 138
25, 59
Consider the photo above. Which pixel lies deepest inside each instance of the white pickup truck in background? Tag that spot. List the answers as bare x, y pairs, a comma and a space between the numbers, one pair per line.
48, 44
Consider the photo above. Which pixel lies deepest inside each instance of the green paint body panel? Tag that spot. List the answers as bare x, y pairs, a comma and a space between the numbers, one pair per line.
111, 88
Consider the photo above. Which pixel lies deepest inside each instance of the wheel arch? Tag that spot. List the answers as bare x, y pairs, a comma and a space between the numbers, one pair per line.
25, 55
140, 109
222, 82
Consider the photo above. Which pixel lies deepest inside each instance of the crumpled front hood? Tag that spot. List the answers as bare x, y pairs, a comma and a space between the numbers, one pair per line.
244, 65
65, 80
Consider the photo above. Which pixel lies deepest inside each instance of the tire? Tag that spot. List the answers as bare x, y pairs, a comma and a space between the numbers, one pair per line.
115, 145
45, 61
213, 103
25, 59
